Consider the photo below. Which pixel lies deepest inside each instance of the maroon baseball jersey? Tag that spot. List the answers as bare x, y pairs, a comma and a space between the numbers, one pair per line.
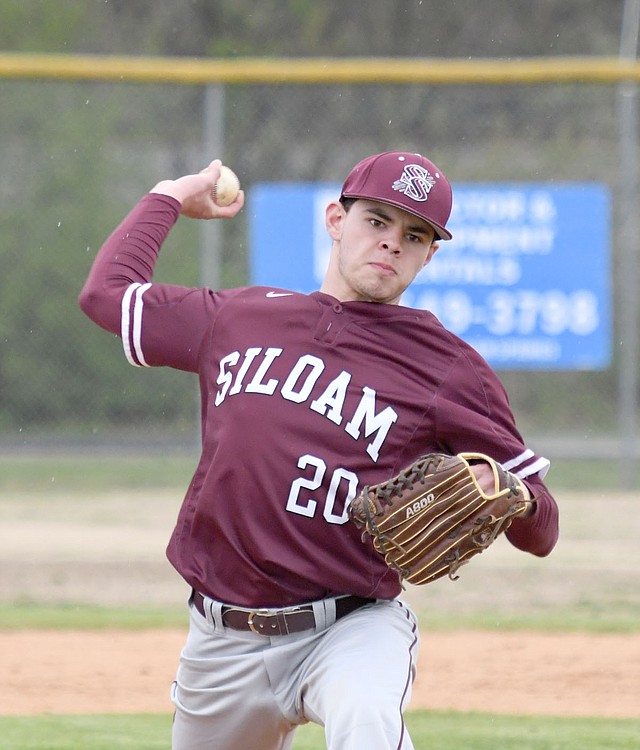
305, 399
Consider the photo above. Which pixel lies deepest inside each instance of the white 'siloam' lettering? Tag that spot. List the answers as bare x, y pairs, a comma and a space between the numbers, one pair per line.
249, 373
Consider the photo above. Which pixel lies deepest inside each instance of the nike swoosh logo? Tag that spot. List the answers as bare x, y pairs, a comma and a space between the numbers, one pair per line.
271, 295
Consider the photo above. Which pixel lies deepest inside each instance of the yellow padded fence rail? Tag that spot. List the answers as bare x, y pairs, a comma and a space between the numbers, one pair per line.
248, 70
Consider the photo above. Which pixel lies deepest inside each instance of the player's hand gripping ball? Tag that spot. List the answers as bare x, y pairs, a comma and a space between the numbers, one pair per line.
227, 187
434, 517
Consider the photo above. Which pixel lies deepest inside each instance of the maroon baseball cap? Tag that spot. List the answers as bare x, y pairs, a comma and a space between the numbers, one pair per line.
408, 181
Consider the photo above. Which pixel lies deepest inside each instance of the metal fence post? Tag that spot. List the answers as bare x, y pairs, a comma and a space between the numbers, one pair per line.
212, 147
627, 338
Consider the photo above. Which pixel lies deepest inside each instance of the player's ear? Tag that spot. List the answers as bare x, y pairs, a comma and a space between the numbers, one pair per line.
433, 248
334, 219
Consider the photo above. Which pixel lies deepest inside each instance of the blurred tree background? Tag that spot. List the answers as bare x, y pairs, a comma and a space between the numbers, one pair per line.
77, 155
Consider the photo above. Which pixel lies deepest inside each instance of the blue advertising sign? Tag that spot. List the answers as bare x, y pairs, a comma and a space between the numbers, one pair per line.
525, 280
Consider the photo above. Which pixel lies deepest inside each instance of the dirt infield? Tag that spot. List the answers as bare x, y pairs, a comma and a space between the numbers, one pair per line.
521, 673
110, 551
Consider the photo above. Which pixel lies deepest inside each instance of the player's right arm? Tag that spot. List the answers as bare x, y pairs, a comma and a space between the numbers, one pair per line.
159, 324
195, 194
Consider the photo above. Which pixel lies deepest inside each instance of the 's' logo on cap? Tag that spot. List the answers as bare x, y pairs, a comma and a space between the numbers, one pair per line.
416, 182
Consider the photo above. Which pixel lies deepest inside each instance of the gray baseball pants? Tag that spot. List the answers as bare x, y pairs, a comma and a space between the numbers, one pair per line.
237, 690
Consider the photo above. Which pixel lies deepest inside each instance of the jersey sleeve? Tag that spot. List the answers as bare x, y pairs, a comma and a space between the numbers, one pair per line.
160, 324
473, 414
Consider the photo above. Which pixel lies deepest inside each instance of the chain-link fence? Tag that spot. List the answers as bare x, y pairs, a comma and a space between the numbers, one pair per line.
76, 155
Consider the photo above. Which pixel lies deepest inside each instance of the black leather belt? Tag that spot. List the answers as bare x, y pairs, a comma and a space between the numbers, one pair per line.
279, 621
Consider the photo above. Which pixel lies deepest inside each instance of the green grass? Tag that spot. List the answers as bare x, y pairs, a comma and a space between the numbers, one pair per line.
589, 475
99, 732
88, 473
32, 616
578, 618
433, 730
443, 731
70, 473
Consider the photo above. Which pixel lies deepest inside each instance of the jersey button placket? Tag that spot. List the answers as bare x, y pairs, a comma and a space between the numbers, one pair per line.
328, 327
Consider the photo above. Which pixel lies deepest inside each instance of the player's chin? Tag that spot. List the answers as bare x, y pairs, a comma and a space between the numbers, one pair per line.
383, 295
376, 287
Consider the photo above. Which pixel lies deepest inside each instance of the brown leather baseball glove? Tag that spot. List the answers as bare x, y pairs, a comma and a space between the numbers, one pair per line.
434, 517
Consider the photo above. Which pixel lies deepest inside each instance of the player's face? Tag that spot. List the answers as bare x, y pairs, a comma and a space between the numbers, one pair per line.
377, 251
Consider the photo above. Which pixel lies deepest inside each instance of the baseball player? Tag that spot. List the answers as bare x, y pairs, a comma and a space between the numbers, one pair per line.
306, 399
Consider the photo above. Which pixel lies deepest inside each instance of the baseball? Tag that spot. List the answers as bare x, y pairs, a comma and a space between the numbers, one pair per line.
227, 187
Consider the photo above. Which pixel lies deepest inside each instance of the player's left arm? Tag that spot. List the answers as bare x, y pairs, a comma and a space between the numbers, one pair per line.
474, 415
538, 531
